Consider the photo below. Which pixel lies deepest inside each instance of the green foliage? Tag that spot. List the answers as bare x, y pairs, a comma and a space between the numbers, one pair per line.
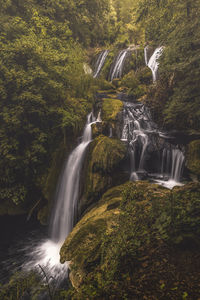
22, 285
175, 25
43, 93
193, 157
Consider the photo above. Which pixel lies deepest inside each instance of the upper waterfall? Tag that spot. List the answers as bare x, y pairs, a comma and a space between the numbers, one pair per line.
153, 61
100, 62
117, 69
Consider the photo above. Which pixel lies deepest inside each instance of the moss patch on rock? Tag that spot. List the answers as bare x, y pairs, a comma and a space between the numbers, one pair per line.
135, 242
102, 169
110, 109
193, 157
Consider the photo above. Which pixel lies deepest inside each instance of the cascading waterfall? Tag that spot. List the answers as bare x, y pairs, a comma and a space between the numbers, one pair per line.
143, 138
153, 61
146, 55
100, 62
46, 254
116, 71
65, 213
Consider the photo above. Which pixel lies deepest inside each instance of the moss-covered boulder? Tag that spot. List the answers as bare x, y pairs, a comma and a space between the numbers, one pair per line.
103, 168
112, 116
141, 241
144, 75
193, 157
82, 245
110, 109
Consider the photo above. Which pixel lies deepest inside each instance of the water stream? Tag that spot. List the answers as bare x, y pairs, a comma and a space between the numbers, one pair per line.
151, 155
100, 62
64, 215
117, 69
153, 62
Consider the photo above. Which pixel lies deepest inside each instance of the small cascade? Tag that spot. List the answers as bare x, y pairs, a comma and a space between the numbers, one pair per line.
153, 61
136, 129
116, 71
65, 214
100, 62
146, 55
146, 144
177, 164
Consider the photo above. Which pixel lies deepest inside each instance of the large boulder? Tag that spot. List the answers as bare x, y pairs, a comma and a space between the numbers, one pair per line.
103, 168
140, 240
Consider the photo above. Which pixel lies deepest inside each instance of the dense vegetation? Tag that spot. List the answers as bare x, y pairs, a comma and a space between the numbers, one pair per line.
45, 96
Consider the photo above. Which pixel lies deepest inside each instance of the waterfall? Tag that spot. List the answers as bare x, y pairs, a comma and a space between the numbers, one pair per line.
64, 215
146, 55
136, 127
177, 165
143, 138
153, 62
117, 69
100, 62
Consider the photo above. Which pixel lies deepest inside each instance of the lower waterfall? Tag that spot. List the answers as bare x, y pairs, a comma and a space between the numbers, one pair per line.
46, 254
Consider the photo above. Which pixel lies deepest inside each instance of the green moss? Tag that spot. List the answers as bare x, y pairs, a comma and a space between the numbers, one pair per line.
102, 169
110, 109
131, 235
193, 157
144, 75
104, 159
50, 180
104, 84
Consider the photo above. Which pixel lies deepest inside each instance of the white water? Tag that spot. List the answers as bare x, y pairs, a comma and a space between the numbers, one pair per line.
146, 55
172, 166
153, 62
135, 131
46, 254
141, 133
119, 64
100, 62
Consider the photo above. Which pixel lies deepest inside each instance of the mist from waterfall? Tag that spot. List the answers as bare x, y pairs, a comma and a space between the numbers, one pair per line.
64, 214
100, 62
117, 69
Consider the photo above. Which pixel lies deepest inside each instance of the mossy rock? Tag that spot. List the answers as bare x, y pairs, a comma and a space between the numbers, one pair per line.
136, 231
105, 85
193, 157
43, 215
82, 245
111, 109
144, 75
102, 168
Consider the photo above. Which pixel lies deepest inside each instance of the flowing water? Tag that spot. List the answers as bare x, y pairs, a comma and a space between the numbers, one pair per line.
64, 215
151, 155
100, 62
153, 61
116, 71
146, 55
